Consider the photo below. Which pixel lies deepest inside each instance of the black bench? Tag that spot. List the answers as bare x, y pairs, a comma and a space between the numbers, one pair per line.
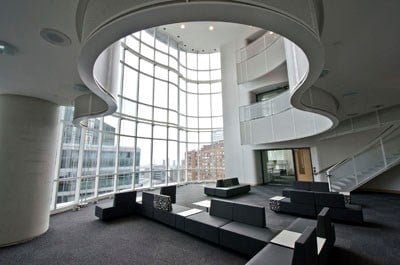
237, 226
310, 203
307, 186
303, 253
123, 205
226, 188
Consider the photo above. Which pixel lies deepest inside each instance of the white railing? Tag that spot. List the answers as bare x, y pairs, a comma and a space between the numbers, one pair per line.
265, 108
380, 155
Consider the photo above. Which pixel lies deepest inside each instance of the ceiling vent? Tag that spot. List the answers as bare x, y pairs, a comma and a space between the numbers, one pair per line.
55, 37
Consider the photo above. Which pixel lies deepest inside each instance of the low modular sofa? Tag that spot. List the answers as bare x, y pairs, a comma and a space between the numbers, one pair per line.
319, 252
304, 252
237, 226
123, 205
307, 186
310, 203
226, 188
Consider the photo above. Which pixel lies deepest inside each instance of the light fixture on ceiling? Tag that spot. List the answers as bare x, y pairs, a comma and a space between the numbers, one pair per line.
270, 32
211, 28
55, 37
6, 48
324, 73
183, 26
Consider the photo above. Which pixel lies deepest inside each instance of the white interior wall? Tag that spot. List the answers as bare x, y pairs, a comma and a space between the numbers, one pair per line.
389, 181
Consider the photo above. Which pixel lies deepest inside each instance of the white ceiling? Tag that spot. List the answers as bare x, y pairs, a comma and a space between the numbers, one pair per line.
210, 40
361, 39
362, 45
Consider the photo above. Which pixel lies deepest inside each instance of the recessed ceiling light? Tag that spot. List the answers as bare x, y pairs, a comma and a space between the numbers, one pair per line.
211, 28
271, 32
324, 73
183, 26
6, 48
55, 37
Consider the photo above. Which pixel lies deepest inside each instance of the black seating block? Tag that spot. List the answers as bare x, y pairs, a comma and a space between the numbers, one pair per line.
204, 226
148, 204
226, 188
125, 199
304, 252
273, 255
302, 185
169, 191
220, 183
301, 209
298, 196
169, 217
210, 191
305, 249
319, 186
246, 239
220, 208
107, 212
249, 214
235, 181
286, 192
327, 199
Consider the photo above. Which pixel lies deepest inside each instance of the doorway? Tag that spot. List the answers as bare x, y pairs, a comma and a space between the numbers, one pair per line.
302, 159
278, 167
284, 166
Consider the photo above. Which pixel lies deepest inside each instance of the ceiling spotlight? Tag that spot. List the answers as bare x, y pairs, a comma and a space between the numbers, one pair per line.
211, 28
324, 73
55, 37
183, 26
271, 32
6, 48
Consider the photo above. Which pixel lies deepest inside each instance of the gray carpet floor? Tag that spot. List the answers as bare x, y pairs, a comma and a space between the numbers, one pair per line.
78, 237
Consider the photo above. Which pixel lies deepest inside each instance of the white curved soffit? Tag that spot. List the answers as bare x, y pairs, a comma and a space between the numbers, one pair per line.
105, 22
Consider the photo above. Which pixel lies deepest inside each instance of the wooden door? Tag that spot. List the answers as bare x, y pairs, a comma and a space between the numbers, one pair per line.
302, 158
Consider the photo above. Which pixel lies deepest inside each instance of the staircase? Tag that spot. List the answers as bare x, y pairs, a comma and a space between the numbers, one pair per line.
379, 156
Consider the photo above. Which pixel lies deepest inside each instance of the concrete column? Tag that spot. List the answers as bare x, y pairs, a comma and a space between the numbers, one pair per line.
28, 138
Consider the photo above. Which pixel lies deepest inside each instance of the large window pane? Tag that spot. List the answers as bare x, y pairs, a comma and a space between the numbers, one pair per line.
130, 83
204, 61
161, 94
146, 89
204, 106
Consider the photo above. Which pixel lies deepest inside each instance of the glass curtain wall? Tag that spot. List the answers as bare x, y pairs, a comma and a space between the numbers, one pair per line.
168, 127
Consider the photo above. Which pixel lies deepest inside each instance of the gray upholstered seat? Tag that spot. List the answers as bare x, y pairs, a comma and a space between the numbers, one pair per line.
247, 239
205, 226
304, 252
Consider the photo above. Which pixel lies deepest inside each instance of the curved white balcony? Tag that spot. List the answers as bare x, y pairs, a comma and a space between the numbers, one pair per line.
300, 112
101, 23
